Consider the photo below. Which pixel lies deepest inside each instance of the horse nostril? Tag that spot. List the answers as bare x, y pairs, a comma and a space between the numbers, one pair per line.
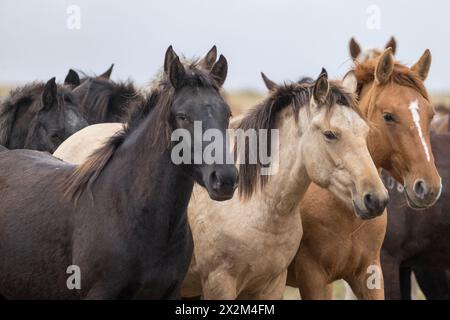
420, 189
226, 180
215, 180
372, 203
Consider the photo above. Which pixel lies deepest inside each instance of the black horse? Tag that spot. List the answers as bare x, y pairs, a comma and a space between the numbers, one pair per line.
73, 79
435, 283
39, 116
418, 239
119, 220
104, 100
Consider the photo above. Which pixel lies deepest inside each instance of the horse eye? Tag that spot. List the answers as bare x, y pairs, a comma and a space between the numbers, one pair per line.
55, 137
388, 117
330, 135
181, 116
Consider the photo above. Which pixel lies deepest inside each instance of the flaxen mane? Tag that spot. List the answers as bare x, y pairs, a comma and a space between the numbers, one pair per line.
26, 99
158, 104
402, 75
295, 95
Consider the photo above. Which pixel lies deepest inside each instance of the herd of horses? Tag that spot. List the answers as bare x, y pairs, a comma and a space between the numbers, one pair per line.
87, 180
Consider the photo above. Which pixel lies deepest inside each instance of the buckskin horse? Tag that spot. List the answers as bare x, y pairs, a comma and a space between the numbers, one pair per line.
121, 216
322, 139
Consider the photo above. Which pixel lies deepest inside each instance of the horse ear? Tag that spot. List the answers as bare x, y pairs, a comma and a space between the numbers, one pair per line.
107, 74
355, 49
385, 67
392, 44
169, 57
349, 82
208, 61
422, 67
49, 94
269, 83
72, 79
321, 87
219, 70
176, 73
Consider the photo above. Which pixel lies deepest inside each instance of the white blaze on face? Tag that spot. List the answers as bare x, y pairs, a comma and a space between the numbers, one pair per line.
414, 108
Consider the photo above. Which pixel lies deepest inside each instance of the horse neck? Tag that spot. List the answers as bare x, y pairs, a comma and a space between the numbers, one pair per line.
146, 182
286, 187
367, 104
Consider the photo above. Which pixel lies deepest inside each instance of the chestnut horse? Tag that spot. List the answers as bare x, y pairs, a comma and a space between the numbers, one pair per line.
242, 247
434, 283
418, 240
361, 55
339, 242
120, 218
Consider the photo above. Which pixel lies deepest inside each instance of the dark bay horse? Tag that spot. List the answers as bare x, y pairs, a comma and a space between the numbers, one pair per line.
119, 220
39, 116
73, 79
104, 100
418, 239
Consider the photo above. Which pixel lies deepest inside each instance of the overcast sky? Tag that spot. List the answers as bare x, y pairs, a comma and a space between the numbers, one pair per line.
286, 39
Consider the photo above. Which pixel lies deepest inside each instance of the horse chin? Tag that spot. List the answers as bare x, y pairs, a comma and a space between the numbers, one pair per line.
219, 197
361, 213
415, 205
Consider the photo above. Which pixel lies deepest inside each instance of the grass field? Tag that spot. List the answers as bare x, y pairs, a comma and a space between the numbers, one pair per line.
242, 100
245, 99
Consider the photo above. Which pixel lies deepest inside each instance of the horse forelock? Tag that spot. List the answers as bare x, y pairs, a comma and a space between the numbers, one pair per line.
263, 116
402, 76
157, 105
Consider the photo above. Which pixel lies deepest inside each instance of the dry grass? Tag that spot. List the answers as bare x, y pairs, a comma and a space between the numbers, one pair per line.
240, 101
4, 90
